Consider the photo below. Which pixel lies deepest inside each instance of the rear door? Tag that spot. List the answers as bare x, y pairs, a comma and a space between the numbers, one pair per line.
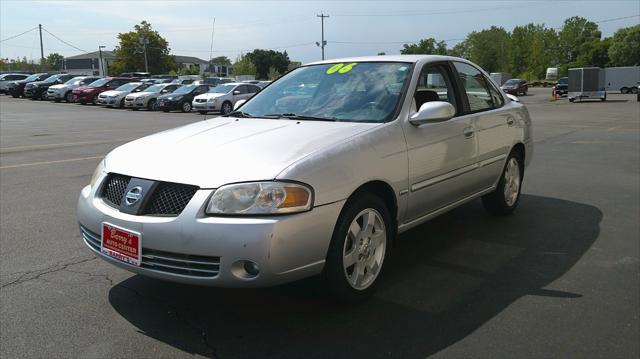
492, 124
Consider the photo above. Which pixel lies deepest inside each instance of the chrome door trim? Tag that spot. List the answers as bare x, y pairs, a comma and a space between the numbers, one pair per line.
491, 160
457, 172
415, 222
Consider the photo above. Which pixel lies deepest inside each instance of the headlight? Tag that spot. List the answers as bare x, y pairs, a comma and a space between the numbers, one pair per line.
97, 173
87, 90
213, 99
260, 198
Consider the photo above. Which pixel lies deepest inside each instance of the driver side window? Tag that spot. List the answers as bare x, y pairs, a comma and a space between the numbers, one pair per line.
434, 84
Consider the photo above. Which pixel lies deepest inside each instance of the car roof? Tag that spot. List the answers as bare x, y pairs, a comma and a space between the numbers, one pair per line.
389, 58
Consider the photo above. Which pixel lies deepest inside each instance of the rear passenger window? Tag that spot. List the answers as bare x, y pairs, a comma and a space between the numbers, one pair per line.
475, 86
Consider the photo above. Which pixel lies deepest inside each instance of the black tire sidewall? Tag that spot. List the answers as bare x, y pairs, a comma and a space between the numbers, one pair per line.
333, 273
495, 201
226, 105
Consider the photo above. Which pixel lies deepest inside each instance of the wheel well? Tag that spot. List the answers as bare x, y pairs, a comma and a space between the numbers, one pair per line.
519, 148
384, 191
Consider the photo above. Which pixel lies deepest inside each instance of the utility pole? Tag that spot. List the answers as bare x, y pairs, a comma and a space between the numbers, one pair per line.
144, 41
102, 72
323, 43
41, 47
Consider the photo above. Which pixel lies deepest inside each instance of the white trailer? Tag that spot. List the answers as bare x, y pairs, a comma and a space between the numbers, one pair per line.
623, 79
552, 73
500, 77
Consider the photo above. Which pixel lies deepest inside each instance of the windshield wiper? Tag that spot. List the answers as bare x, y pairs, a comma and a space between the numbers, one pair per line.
293, 116
238, 114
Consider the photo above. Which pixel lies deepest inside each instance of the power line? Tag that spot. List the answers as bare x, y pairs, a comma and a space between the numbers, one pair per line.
64, 42
437, 12
20, 34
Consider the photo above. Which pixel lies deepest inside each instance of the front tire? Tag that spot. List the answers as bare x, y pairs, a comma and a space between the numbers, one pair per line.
226, 108
186, 107
69, 97
504, 200
624, 90
152, 105
359, 247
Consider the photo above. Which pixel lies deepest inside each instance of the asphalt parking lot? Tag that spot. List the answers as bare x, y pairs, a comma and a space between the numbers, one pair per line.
558, 279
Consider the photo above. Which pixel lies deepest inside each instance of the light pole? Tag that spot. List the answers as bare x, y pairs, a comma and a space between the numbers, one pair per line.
323, 43
102, 71
144, 41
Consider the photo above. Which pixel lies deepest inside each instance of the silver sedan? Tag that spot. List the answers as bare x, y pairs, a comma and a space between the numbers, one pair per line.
315, 175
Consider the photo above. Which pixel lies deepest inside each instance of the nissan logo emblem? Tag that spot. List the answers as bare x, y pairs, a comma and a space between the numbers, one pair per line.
133, 195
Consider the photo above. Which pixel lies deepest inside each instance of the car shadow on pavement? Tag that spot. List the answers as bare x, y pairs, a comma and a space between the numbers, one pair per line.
445, 279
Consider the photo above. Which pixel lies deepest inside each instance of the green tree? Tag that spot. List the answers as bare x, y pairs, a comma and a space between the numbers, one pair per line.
575, 32
244, 66
461, 49
221, 61
625, 47
53, 61
427, 46
273, 74
265, 59
130, 52
594, 53
489, 49
381, 53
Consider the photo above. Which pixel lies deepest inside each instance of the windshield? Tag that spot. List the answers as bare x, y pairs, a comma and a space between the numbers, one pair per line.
512, 82
128, 87
155, 88
563, 80
98, 83
184, 90
222, 89
362, 92
51, 78
74, 81
32, 77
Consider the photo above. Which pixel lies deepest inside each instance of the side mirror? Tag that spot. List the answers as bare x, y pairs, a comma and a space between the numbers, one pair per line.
433, 111
512, 97
236, 92
238, 104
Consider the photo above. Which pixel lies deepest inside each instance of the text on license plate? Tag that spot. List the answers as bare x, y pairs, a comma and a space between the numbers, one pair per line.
121, 243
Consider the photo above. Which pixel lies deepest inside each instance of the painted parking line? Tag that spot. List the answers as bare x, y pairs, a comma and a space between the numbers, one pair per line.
59, 145
50, 162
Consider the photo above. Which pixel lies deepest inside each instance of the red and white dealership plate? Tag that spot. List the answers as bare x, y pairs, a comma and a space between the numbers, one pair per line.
122, 244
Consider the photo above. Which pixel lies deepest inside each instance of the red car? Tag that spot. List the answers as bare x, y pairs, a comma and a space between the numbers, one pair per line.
89, 93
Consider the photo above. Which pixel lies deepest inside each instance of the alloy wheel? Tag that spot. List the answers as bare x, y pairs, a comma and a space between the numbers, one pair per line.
512, 182
364, 249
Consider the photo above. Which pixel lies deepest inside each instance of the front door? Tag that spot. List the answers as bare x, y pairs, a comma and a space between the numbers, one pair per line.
441, 155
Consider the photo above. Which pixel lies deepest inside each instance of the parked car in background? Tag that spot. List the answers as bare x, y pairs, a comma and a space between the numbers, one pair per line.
89, 93
186, 79
137, 75
115, 98
223, 97
148, 98
515, 87
38, 90
181, 98
65, 91
280, 190
263, 84
16, 88
215, 81
562, 86
5, 79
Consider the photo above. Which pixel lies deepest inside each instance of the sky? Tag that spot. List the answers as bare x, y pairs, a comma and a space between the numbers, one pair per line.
354, 28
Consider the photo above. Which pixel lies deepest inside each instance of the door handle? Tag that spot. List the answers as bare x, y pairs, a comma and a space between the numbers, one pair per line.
468, 132
510, 121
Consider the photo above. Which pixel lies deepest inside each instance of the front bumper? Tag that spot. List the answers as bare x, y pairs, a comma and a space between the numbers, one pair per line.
168, 105
286, 248
83, 97
108, 101
135, 103
204, 106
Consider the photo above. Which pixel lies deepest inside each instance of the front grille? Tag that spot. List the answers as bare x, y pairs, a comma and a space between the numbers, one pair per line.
114, 188
167, 199
128, 98
201, 100
170, 199
166, 262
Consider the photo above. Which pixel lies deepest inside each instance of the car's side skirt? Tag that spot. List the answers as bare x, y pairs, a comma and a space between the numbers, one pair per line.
408, 225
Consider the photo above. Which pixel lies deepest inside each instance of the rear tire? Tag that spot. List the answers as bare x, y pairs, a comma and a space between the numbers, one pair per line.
504, 200
359, 247
634, 90
152, 105
624, 90
94, 100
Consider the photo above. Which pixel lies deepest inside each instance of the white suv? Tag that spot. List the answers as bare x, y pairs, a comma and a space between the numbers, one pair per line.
223, 97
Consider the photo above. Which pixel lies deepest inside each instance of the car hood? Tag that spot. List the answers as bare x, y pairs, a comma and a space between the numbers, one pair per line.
141, 94
113, 93
224, 150
207, 95
166, 96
